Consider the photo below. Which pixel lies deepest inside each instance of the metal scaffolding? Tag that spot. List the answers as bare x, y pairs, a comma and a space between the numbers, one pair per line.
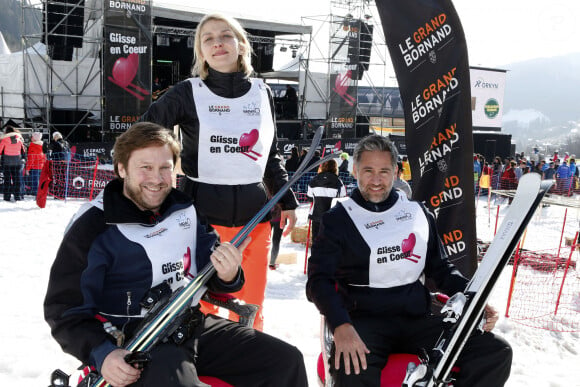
62, 78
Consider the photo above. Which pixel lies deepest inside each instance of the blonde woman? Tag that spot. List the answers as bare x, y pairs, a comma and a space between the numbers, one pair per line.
229, 140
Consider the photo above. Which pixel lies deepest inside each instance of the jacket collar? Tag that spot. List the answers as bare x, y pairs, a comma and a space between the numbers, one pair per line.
375, 207
228, 85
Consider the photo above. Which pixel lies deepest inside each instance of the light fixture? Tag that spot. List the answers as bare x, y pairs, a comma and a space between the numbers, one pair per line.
283, 49
294, 48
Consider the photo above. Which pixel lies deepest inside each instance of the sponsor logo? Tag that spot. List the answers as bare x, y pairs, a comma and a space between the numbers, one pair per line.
432, 56
376, 224
132, 6
219, 109
156, 233
183, 221
288, 147
252, 109
452, 192
441, 145
342, 122
482, 84
491, 108
78, 182
434, 96
403, 216
433, 35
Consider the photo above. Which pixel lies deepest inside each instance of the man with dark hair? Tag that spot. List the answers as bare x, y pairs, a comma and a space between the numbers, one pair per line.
366, 274
137, 234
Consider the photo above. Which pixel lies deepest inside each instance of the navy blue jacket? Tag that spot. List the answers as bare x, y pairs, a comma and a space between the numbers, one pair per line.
103, 266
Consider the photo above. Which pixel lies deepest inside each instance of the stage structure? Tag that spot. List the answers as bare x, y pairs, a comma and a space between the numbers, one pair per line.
89, 68
58, 69
356, 97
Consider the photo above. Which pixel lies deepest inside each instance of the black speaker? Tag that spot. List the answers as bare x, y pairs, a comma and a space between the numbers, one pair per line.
360, 47
366, 45
263, 57
63, 27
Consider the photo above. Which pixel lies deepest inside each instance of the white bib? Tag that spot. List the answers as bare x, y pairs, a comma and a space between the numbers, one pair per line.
397, 239
170, 246
235, 134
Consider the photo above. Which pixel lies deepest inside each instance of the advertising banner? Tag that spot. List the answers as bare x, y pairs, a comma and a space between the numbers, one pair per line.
429, 54
487, 92
344, 47
342, 110
126, 62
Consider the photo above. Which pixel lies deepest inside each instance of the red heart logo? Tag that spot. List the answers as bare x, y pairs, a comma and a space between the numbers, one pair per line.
342, 82
250, 139
187, 263
409, 243
125, 69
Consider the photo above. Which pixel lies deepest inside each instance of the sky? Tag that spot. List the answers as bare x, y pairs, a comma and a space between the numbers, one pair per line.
498, 32
30, 238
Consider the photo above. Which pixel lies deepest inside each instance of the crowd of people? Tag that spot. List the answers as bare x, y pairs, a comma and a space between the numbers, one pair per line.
22, 161
505, 174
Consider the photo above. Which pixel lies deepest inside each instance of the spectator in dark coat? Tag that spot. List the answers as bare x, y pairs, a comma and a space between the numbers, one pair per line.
294, 161
60, 148
321, 190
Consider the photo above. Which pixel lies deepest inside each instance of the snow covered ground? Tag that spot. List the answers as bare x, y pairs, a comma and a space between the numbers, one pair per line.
30, 237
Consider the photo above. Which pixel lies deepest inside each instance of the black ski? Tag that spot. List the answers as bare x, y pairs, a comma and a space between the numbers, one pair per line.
464, 310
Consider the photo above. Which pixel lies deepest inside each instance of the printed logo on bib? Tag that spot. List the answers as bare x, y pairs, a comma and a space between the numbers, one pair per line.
219, 109
408, 247
403, 216
183, 221
243, 145
177, 271
375, 224
156, 233
396, 253
187, 264
251, 109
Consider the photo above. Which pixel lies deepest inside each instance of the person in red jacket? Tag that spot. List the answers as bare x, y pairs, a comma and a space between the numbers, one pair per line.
13, 153
34, 162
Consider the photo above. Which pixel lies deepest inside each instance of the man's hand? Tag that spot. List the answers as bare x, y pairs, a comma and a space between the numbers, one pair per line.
290, 216
491, 317
116, 371
227, 259
349, 344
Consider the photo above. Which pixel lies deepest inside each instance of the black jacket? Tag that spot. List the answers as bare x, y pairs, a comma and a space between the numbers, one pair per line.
341, 256
100, 269
223, 205
322, 189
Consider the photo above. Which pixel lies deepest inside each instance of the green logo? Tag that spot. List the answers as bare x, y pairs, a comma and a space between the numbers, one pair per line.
491, 108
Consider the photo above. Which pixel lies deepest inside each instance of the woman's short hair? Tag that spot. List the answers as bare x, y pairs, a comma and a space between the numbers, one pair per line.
142, 135
200, 66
